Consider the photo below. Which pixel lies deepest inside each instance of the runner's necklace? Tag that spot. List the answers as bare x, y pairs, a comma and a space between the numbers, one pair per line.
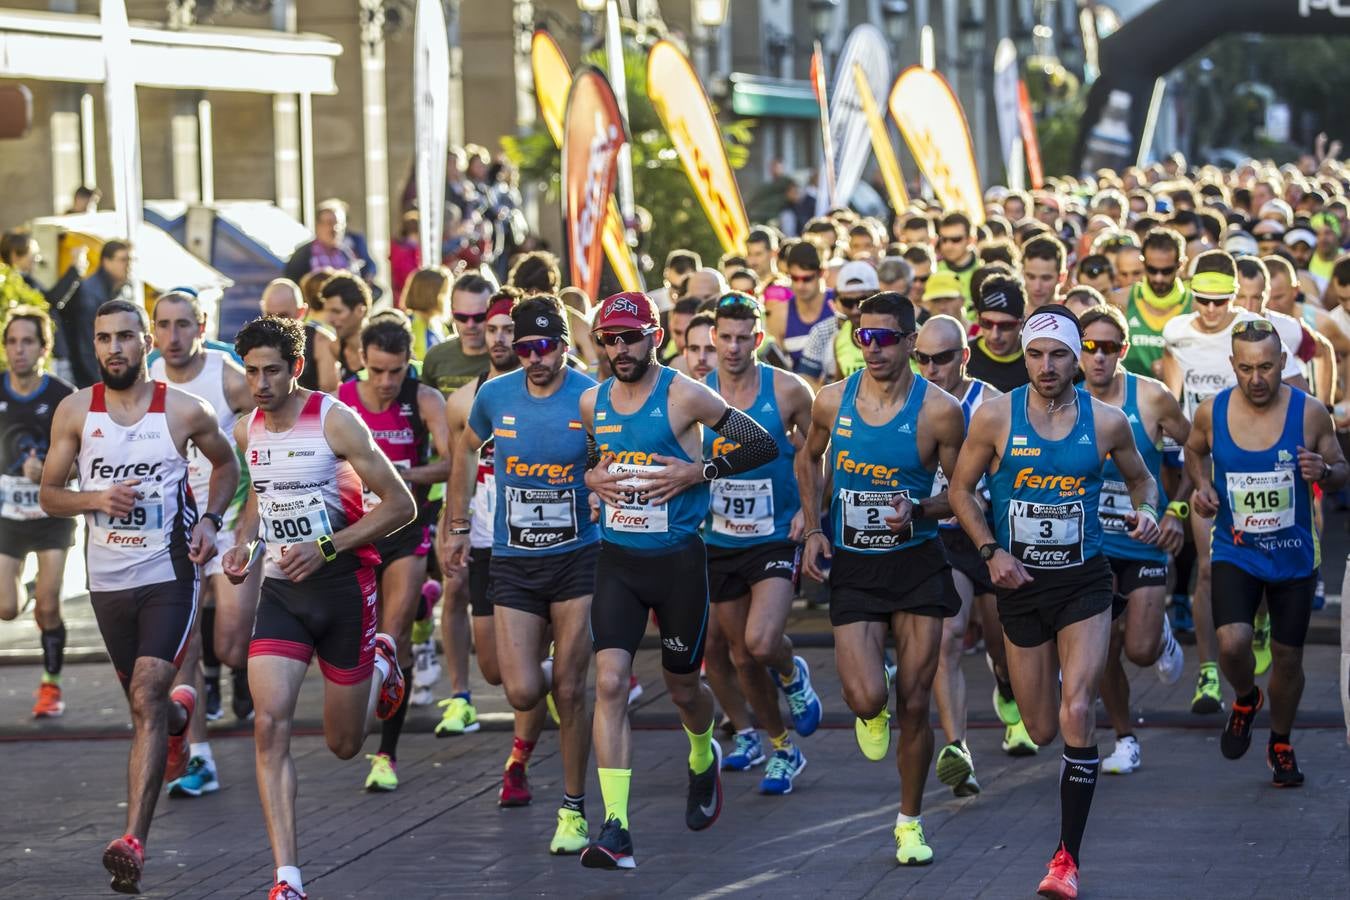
1051, 408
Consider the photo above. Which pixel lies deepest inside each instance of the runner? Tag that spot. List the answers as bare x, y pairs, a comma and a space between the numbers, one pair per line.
995, 356
212, 376
889, 434
752, 532
545, 545
283, 297
31, 395
407, 420
1042, 447
1139, 570
128, 436
1149, 303
467, 585
1264, 542
654, 495
308, 456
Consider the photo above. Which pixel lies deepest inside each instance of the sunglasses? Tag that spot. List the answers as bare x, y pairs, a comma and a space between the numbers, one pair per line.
806, 279
738, 300
851, 300
541, 346
628, 338
475, 318
991, 325
1257, 328
1110, 348
920, 279
941, 358
1214, 301
879, 337
1164, 270
1094, 270
950, 239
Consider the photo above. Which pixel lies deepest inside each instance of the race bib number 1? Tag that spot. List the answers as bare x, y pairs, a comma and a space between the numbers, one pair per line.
1047, 535
293, 520
20, 498
540, 519
865, 514
1262, 502
634, 514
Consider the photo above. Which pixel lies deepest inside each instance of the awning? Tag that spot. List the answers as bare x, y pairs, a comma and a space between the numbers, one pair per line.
772, 98
65, 47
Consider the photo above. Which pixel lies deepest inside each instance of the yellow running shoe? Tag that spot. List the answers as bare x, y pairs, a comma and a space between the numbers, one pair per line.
382, 775
1016, 741
1261, 642
571, 835
911, 848
459, 718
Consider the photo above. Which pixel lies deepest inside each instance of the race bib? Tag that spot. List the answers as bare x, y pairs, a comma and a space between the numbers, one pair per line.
292, 520
635, 514
20, 498
539, 519
140, 529
370, 499
1115, 502
1046, 535
864, 525
1262, 502
742, 508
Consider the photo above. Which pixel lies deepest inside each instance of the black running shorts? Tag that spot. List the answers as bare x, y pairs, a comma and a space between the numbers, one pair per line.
533, 584
1035, 613
965, 558
1237, 593
155, 621
872, 587
480, 564
673, 585
18, 539
1133, 574
733, 571
332, 613
400, 545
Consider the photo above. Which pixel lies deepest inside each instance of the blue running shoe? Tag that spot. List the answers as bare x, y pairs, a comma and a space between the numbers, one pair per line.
200, 778
1320, 592
783, 767
749, 753
802, 700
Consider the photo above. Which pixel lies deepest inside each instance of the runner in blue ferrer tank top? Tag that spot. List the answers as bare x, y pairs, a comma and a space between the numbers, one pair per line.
753, 531
1042, 447
1254, 453
645, 466
1140, 570
886, 430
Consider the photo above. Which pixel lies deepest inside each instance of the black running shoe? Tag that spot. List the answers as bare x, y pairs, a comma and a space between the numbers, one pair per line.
1237, 734
1280, 758
705, 794
613, 849
213, 711
242, 702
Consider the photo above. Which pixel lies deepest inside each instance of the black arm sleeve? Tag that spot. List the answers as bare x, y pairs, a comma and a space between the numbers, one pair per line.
756, 446
592, 452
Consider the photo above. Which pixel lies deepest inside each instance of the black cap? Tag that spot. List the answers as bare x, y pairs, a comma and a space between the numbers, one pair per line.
1001, 295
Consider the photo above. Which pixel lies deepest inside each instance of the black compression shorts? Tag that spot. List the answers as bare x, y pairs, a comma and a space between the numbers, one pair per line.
732, 572
1055, 599
533, 584
1237, 594
333, 614
400, 545
155, 621
673, 585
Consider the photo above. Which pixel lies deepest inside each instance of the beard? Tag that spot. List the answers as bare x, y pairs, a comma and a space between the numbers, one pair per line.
640, 366
123, 381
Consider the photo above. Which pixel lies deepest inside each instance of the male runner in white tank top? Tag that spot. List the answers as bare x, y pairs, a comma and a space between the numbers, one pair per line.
188, 364
145, 539
308, 455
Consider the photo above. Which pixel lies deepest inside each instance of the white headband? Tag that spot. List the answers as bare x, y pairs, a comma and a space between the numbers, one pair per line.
1054, 326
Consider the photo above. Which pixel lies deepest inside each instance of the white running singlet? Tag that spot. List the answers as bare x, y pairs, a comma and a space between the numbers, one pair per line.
209, 385
150, 544
1203, 359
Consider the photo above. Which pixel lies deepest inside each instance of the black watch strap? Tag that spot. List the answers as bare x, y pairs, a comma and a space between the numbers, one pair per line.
215, 519
988, 550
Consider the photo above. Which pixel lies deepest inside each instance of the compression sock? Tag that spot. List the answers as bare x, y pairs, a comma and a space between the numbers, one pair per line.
392, 727
210, 662
614, 790
53, 653
1077, 782
520, 751
700, 750
576, 804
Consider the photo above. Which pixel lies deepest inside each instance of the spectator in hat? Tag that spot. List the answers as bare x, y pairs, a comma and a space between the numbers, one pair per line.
830, 353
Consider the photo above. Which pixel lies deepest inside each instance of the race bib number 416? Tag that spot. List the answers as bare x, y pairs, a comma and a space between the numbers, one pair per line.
1262, 502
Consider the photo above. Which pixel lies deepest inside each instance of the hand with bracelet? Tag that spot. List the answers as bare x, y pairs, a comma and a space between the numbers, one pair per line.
817, 545
1145, 526
454, 547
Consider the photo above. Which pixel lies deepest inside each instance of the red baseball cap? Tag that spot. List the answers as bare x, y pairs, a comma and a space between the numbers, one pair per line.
631, 309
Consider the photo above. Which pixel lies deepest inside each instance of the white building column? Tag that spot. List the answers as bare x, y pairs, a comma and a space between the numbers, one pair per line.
376, 139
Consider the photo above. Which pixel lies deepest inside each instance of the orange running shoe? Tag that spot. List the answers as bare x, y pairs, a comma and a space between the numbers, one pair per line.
176, 763
124, 859
1061, 882
49, 704
391, 691
283, 891
515, 786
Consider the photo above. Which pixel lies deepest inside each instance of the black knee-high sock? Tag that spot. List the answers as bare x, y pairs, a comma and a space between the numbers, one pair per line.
1077, 782
392, 727
53, 649
210, 662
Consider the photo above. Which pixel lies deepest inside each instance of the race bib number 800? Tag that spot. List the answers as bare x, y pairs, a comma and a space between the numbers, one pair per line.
292, 520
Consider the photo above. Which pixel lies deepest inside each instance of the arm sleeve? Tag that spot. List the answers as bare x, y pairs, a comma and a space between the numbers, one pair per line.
756, 446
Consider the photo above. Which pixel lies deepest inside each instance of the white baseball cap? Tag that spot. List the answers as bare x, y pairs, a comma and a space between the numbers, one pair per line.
855, 277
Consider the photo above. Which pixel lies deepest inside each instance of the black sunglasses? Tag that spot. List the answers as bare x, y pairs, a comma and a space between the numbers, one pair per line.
541, 346
941, 358
475, 318
1110, 348
879, 337
1211, 301
1160, 270
1095, 270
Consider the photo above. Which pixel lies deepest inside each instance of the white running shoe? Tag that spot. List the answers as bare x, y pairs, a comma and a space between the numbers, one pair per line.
422, 696
426, 667
1171, 661
1125, 758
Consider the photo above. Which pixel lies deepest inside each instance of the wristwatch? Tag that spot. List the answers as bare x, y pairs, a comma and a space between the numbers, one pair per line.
710, 471
214, 519
326, 547
988, 550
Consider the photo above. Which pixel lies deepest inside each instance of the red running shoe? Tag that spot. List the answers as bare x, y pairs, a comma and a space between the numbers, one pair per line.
49, 704
175, 765
283, 891
391, 691
515, 786
1061, 882
124, 859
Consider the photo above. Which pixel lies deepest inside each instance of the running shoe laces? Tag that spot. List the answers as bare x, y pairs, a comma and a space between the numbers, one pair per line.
283, 891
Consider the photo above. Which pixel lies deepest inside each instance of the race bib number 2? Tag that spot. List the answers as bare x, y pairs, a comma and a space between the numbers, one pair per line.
1047, 535
865, 514
635, 514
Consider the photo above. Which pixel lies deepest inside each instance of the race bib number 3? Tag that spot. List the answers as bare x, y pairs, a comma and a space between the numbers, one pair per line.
1047, 535
540, 519
1262, 502
635, 514
742, 508
20, 498
864, 520
292, 520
